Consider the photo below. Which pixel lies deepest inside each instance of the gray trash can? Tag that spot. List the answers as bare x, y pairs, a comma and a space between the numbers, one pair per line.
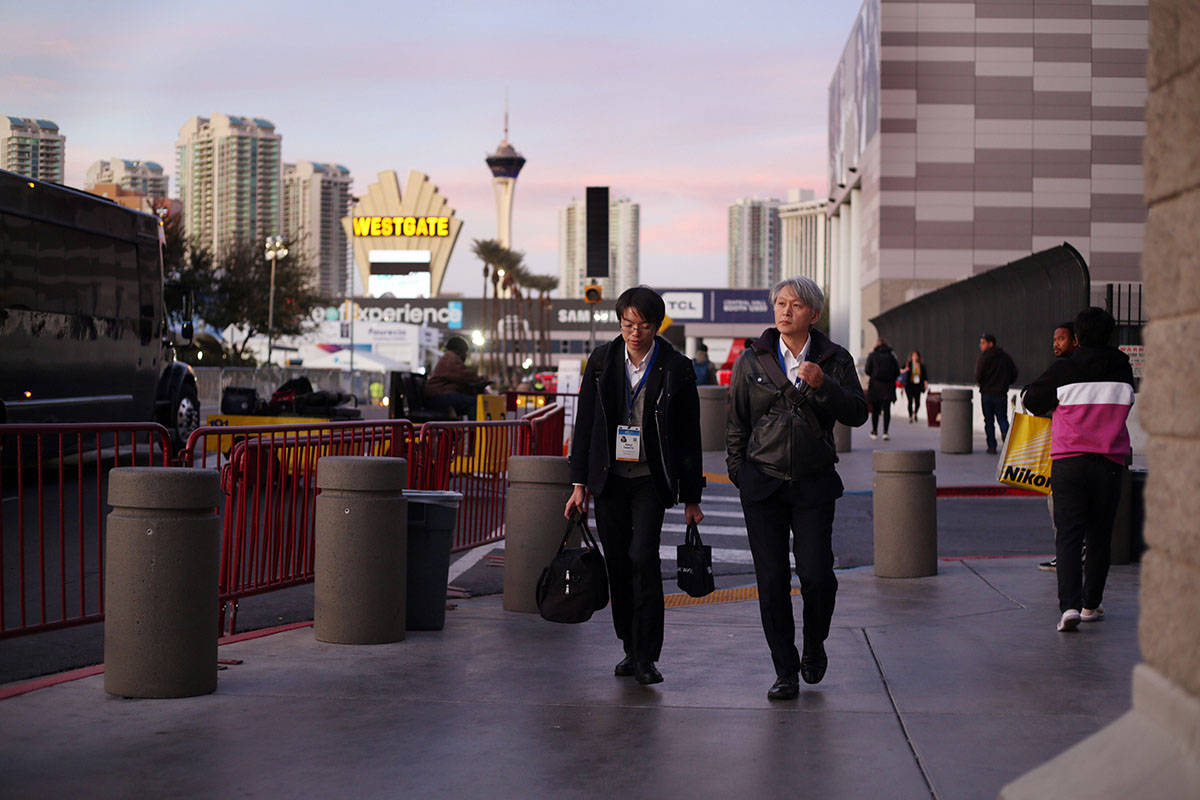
432, 517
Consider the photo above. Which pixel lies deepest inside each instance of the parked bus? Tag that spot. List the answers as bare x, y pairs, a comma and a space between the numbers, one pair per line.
83, 329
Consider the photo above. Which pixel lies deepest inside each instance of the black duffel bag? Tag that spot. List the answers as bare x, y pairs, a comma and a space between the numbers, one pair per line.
694, 560
575, 584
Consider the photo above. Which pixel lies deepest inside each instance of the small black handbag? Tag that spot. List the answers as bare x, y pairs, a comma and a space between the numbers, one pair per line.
575, 583
694, 559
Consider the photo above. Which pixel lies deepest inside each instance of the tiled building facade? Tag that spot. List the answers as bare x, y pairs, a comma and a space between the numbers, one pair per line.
965, 134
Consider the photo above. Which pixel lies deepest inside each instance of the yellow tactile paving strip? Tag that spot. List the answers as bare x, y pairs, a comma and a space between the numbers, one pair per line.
718, 477
719, 596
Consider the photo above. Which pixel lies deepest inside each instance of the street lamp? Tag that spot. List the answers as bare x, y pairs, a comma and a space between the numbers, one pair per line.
276, 250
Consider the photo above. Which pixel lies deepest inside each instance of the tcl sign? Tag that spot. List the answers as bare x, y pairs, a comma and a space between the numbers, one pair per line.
684, 305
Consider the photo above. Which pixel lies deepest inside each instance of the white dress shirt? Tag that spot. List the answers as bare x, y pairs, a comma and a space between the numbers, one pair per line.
793, 362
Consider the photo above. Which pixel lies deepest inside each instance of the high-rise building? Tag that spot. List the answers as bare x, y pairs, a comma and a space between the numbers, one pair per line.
32, 147
802, 241
228, 177
315, 199
753, 243
624, 245
966, 134
505, 165
141, 176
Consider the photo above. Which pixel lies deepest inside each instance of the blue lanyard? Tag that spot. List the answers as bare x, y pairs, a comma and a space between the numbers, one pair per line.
631, 397
783, 364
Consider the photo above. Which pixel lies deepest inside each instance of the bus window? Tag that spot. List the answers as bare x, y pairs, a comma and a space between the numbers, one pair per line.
150, 290
52, 271
124, 256
18, 251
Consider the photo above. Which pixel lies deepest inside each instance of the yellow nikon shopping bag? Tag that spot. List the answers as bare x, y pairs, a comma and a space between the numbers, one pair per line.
1025, 459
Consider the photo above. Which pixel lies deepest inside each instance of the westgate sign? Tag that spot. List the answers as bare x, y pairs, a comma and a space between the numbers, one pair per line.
402, 226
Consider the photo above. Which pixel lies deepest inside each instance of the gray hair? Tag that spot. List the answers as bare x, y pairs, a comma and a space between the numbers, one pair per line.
805, 288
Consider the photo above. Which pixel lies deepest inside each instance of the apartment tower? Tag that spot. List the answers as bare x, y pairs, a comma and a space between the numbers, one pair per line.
315, 199
145, 177
624, 244
754, 243
228, 177
32, 147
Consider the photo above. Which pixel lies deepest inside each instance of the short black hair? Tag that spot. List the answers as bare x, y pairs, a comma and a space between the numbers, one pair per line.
1094, 327
1069, 327
988, 337
647, 302
458, 346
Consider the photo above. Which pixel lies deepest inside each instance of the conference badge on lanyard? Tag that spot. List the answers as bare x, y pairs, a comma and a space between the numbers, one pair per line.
629, 442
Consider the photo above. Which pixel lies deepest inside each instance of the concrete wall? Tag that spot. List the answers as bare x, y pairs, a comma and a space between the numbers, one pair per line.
1170, 621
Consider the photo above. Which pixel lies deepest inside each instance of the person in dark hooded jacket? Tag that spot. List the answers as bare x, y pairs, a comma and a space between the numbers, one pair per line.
883, 371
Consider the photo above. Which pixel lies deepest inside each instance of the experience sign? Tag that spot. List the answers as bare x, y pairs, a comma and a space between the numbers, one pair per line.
401, 226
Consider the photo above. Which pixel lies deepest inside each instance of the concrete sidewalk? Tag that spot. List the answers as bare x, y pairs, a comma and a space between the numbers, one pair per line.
948, 686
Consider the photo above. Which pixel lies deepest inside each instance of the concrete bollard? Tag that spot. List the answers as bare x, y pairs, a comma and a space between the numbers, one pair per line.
162, 560
956, 434
713, 412
841, 437
905, 511
538, 490
361, 550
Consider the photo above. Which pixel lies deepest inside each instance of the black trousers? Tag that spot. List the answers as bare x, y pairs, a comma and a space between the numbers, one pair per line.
629, 517
768, 523
884, 407
1086, 492
914, 400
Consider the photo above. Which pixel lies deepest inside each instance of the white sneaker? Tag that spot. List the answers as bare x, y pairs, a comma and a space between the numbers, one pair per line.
1092, 615
887, 438
874, 436
1069, 621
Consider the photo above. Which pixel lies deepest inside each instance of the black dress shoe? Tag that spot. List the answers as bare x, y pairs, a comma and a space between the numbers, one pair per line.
786, 687
625, 668
646, 673
813, 663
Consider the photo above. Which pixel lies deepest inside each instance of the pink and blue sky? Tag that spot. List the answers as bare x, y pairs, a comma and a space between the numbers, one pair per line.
681, 106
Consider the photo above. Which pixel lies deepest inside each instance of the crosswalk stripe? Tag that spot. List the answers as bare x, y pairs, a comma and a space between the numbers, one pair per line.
720, 555
708, 530
708, 512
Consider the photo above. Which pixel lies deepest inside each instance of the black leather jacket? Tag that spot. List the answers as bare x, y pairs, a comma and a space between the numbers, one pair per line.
671, 422
753, 397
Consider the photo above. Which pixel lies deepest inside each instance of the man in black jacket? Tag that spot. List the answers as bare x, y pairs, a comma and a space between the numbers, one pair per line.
788, 388
994, 372
636, 449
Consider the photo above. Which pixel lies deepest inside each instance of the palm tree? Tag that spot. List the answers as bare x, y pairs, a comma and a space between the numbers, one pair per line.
543, 284
492, 254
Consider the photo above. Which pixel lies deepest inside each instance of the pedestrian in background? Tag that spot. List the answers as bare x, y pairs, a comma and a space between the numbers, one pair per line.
882, 373
452, 384
788, 388
706, 371
994, 372
636, 450
1089, 394
1063, 344
915, 379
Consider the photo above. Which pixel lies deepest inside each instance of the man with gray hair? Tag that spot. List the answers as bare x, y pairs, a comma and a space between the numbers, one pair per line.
788, 389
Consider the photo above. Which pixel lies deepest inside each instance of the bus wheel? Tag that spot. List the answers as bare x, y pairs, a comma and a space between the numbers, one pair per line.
187, 415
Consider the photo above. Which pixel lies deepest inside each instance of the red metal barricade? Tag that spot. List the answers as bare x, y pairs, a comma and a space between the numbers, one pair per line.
547, 429
53, 487
268, 476
472, 458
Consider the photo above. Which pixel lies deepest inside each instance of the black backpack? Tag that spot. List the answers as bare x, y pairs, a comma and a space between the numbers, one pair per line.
575, 583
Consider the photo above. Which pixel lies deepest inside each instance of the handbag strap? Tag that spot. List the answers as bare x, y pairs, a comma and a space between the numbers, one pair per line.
797, 397
578, 520
692, 537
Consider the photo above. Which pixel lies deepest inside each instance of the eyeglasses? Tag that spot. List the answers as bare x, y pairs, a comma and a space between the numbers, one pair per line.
628, 326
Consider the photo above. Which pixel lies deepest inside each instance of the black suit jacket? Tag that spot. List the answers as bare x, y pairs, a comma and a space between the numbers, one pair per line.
670, 421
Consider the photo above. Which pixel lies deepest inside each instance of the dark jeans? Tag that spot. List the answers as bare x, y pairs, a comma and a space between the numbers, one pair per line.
914, 400
886, 408
767, 524
1086, 491
995, 408
629, 516
463, 404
